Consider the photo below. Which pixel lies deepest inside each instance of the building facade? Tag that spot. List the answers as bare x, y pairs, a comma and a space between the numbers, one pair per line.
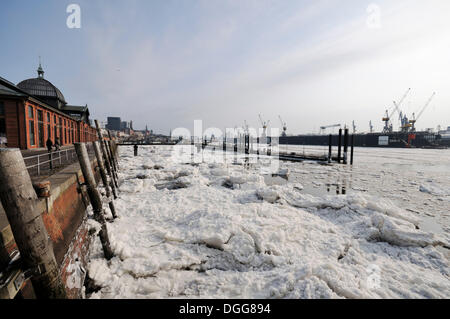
114, 123
35, 110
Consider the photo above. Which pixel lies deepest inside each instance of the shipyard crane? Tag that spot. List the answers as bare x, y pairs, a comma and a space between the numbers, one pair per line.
388, 126
283, 125
264, 125
405, 126
245, 127
323, 128
415, 119
354, 127
371, 126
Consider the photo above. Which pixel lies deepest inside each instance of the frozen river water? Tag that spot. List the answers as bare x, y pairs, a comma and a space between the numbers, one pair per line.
221, 230
417, 180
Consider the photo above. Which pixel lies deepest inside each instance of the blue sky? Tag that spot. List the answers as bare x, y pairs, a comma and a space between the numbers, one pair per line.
167, 63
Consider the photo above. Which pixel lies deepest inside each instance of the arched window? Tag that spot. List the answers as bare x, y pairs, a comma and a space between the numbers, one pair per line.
31, 128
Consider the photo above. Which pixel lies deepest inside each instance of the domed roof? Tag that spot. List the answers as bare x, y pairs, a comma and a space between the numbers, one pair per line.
42, 88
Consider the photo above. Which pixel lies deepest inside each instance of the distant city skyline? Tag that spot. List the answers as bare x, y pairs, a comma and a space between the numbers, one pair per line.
167, 63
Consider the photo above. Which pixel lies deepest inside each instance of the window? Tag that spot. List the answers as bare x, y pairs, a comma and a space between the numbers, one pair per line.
30, 112
2, 127
40, 116
61, 142
49, 128
72, 137
31, 126
2, 122
65, 132
31, 131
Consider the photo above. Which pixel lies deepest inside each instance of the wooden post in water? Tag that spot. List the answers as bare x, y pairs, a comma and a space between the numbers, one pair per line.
339, 145
20, 203
247, 144
257, 146
108, 164
94, 197
98, 155
113, 151
330, 144
135, 147
111, 156
352, 149
345, 145
111, 163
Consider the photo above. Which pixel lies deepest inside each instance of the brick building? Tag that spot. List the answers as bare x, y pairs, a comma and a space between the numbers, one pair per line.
35, 110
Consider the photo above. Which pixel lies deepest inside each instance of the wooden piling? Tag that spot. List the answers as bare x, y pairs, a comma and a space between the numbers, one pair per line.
112, 151
101, 167
330, 145
135, 150
94, 197
339, 145
107, 159
352, 148
20, 203
247, 144
345, 145
111, 163
111, 155
115, 152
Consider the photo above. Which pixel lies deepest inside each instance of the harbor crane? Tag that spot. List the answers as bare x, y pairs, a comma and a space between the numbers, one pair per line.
283, 125
405, 126
264, 125
371, 126
323, 128
387, 119
245, 127
415, 119
354, 127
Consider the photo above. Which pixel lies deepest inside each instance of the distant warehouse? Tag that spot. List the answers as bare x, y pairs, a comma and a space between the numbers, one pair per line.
36, 110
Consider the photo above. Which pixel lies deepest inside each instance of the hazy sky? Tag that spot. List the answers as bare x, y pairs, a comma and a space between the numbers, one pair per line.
167, 63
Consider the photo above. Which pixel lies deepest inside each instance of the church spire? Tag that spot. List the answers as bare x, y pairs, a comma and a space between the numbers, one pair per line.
40, 70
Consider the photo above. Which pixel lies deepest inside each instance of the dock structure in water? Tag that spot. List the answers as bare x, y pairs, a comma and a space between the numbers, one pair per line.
245, 145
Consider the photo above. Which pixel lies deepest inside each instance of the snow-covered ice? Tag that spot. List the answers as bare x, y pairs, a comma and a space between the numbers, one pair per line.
225, 231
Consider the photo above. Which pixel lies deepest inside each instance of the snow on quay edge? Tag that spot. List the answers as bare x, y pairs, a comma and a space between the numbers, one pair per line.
218, 231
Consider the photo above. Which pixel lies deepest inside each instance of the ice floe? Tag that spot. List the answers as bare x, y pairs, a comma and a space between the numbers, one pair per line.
229, 234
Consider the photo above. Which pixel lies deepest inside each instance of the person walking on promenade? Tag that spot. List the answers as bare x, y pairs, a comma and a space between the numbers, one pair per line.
49, 144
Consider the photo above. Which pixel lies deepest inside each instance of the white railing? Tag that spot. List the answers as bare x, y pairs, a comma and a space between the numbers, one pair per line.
36, 164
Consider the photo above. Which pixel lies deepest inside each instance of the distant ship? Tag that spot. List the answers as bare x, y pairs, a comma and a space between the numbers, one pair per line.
423, 139
406, 137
